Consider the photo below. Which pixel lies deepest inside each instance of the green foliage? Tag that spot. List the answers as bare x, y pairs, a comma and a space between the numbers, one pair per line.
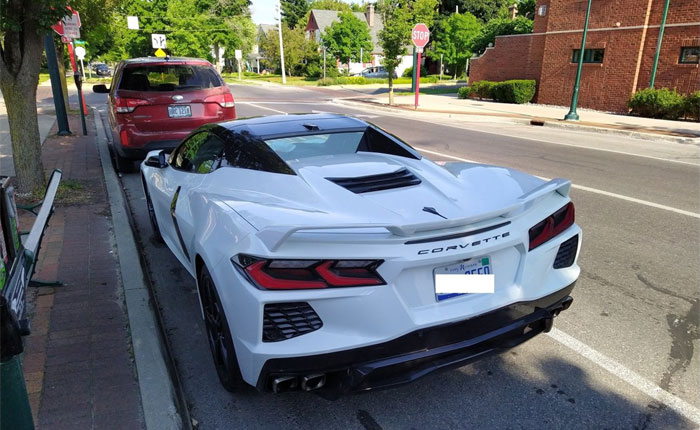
662, 103
408, 73
345, 38
499, 27
526, 8
293, 12
482, 89
298, 50
484, 10
692, 106
514, 91
465, 92
453, 40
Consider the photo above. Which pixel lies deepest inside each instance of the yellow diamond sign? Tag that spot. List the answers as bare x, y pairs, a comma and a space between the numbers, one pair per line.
160, 53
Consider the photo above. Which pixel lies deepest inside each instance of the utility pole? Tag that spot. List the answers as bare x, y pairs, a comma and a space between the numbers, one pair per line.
279, 26
324, 64
658, 45
572, 115
441, 66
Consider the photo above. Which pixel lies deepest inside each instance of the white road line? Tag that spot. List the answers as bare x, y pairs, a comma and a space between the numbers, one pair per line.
261, 107
588, 189
637, 381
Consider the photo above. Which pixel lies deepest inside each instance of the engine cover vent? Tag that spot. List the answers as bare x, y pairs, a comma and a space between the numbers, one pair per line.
283, 321
386, 181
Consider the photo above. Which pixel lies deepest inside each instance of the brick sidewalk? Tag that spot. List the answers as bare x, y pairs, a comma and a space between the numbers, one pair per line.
78, 361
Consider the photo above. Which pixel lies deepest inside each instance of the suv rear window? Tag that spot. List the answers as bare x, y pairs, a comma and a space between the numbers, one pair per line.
169, 77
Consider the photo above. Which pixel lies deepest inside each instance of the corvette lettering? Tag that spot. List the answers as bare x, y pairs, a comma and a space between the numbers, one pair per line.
464, 245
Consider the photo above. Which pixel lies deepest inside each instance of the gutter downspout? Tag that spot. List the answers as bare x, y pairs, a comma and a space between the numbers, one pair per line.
641, 48
658, 45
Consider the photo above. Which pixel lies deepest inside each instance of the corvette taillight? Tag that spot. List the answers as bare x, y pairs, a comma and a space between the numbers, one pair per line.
224, 100
552, 226
127, 105
309, 274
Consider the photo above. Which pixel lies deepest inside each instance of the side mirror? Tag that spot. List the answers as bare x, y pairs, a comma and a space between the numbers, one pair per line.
157, 161
101, 89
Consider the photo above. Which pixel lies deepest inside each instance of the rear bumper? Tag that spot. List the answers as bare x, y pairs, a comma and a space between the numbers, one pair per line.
139, 152
423, 351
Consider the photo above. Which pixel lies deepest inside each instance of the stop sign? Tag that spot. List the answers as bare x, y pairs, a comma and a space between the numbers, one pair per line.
420, 35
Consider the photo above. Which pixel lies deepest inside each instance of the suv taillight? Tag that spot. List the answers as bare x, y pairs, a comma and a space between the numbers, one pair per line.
552, 226
224, 100
309, 274
127, 105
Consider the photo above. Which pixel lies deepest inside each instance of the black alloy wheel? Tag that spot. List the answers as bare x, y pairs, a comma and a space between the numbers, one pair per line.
219, 335
152, 213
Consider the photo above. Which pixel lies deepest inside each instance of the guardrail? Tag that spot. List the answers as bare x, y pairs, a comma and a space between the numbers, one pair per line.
17, 265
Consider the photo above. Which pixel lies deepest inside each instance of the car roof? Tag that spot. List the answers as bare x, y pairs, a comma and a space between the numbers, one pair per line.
294, 125
159, 60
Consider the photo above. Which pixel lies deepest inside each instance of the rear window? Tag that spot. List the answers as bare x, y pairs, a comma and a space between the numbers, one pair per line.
291, 148
169, 77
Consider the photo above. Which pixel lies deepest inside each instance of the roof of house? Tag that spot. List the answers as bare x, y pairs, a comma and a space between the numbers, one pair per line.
324, 18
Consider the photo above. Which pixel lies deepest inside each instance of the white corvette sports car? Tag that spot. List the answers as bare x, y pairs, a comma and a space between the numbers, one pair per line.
331, 256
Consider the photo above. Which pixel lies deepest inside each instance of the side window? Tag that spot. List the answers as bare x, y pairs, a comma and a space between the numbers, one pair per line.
208, 155
183, 155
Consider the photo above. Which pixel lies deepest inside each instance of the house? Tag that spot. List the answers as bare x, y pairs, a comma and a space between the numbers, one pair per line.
320, 19
619, 55
253, 59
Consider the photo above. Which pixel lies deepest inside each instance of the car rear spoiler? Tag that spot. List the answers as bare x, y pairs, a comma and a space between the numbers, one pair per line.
274, 236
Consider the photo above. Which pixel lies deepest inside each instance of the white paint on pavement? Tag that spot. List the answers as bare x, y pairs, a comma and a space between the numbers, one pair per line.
637, 381
584, 188
257, 105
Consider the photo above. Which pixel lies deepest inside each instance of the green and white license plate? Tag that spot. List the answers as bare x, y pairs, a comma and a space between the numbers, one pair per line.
179, 111
468, 277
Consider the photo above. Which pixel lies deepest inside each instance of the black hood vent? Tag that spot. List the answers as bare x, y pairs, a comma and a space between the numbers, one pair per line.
386, 181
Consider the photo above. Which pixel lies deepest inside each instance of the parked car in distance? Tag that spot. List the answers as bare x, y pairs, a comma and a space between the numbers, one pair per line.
154, 103
375, 72
330, 256
102, 70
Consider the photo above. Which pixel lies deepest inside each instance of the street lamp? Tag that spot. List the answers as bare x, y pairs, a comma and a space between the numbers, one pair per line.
572, 115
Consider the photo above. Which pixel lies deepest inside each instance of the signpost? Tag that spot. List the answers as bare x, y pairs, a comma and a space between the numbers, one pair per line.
158, 41
420, 35
69, 28
239, 56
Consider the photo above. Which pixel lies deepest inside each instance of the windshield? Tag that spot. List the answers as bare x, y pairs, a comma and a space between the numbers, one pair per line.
291, 148
169, 77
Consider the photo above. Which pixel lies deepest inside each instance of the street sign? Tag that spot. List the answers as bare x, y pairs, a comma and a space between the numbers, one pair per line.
158, 41
69, 26
420, 35
80, 52
160, 53
132, 22
239, 54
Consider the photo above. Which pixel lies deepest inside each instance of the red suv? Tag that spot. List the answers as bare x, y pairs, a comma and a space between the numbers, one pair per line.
156, 102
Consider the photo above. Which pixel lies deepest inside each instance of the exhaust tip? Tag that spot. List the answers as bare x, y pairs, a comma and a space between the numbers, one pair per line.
567, 303
313, 381
284, 383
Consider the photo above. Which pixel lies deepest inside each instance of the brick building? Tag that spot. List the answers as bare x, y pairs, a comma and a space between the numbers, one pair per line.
619, 57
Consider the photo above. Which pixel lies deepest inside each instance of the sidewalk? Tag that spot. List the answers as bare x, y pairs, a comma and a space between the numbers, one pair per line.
482, 110
78, 361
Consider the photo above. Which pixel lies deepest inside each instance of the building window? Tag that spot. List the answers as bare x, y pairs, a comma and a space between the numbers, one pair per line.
589, 55
690, 55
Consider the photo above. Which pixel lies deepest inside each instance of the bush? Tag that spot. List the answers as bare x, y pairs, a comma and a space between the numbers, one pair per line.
514, 91
408, 73
482, 89
661, 103
464, 92
692, 106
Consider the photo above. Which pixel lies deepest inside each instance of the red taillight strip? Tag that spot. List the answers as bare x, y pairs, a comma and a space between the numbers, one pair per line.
324, 269
257, 272
552, 226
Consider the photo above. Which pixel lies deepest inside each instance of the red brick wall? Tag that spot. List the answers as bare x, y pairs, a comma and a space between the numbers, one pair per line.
606, 86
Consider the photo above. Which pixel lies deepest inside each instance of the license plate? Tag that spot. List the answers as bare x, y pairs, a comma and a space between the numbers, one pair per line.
468, 277
179, 111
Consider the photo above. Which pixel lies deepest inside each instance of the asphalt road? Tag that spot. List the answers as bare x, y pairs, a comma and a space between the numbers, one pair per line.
625, 354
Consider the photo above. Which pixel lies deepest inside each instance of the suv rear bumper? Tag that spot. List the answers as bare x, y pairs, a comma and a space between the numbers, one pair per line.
423, 351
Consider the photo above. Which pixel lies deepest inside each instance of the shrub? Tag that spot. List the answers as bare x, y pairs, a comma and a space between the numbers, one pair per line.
514, 91
482, 89
408, 73
661, 103
464, 92
692, 106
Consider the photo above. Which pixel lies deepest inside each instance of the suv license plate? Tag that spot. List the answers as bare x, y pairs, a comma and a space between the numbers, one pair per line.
471, 276
179, 111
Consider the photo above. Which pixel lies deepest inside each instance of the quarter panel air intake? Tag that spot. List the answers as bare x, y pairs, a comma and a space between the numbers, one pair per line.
282, 321
567, 253
386, 181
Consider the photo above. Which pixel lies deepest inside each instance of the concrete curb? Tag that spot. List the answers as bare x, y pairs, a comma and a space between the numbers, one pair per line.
527, 121
158, 398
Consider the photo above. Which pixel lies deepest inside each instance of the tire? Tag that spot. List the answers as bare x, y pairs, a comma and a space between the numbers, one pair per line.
152, 214
219, 335
121, 164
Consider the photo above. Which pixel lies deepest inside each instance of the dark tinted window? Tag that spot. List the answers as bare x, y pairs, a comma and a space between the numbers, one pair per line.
245, 151
168, 77
183, 156
690, 55
375, 140
589, 55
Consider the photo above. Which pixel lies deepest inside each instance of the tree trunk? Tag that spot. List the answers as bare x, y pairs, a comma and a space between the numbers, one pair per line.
20, 100
391, 87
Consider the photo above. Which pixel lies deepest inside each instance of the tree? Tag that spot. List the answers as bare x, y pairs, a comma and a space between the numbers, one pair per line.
453, 40
485, 10
399, 16
498, 27
526, 8
293, 12
297, 49
23, 25
346, 38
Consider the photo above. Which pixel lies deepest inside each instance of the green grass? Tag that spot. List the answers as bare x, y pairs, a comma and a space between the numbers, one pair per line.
430, 90
277, 79
43, 77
